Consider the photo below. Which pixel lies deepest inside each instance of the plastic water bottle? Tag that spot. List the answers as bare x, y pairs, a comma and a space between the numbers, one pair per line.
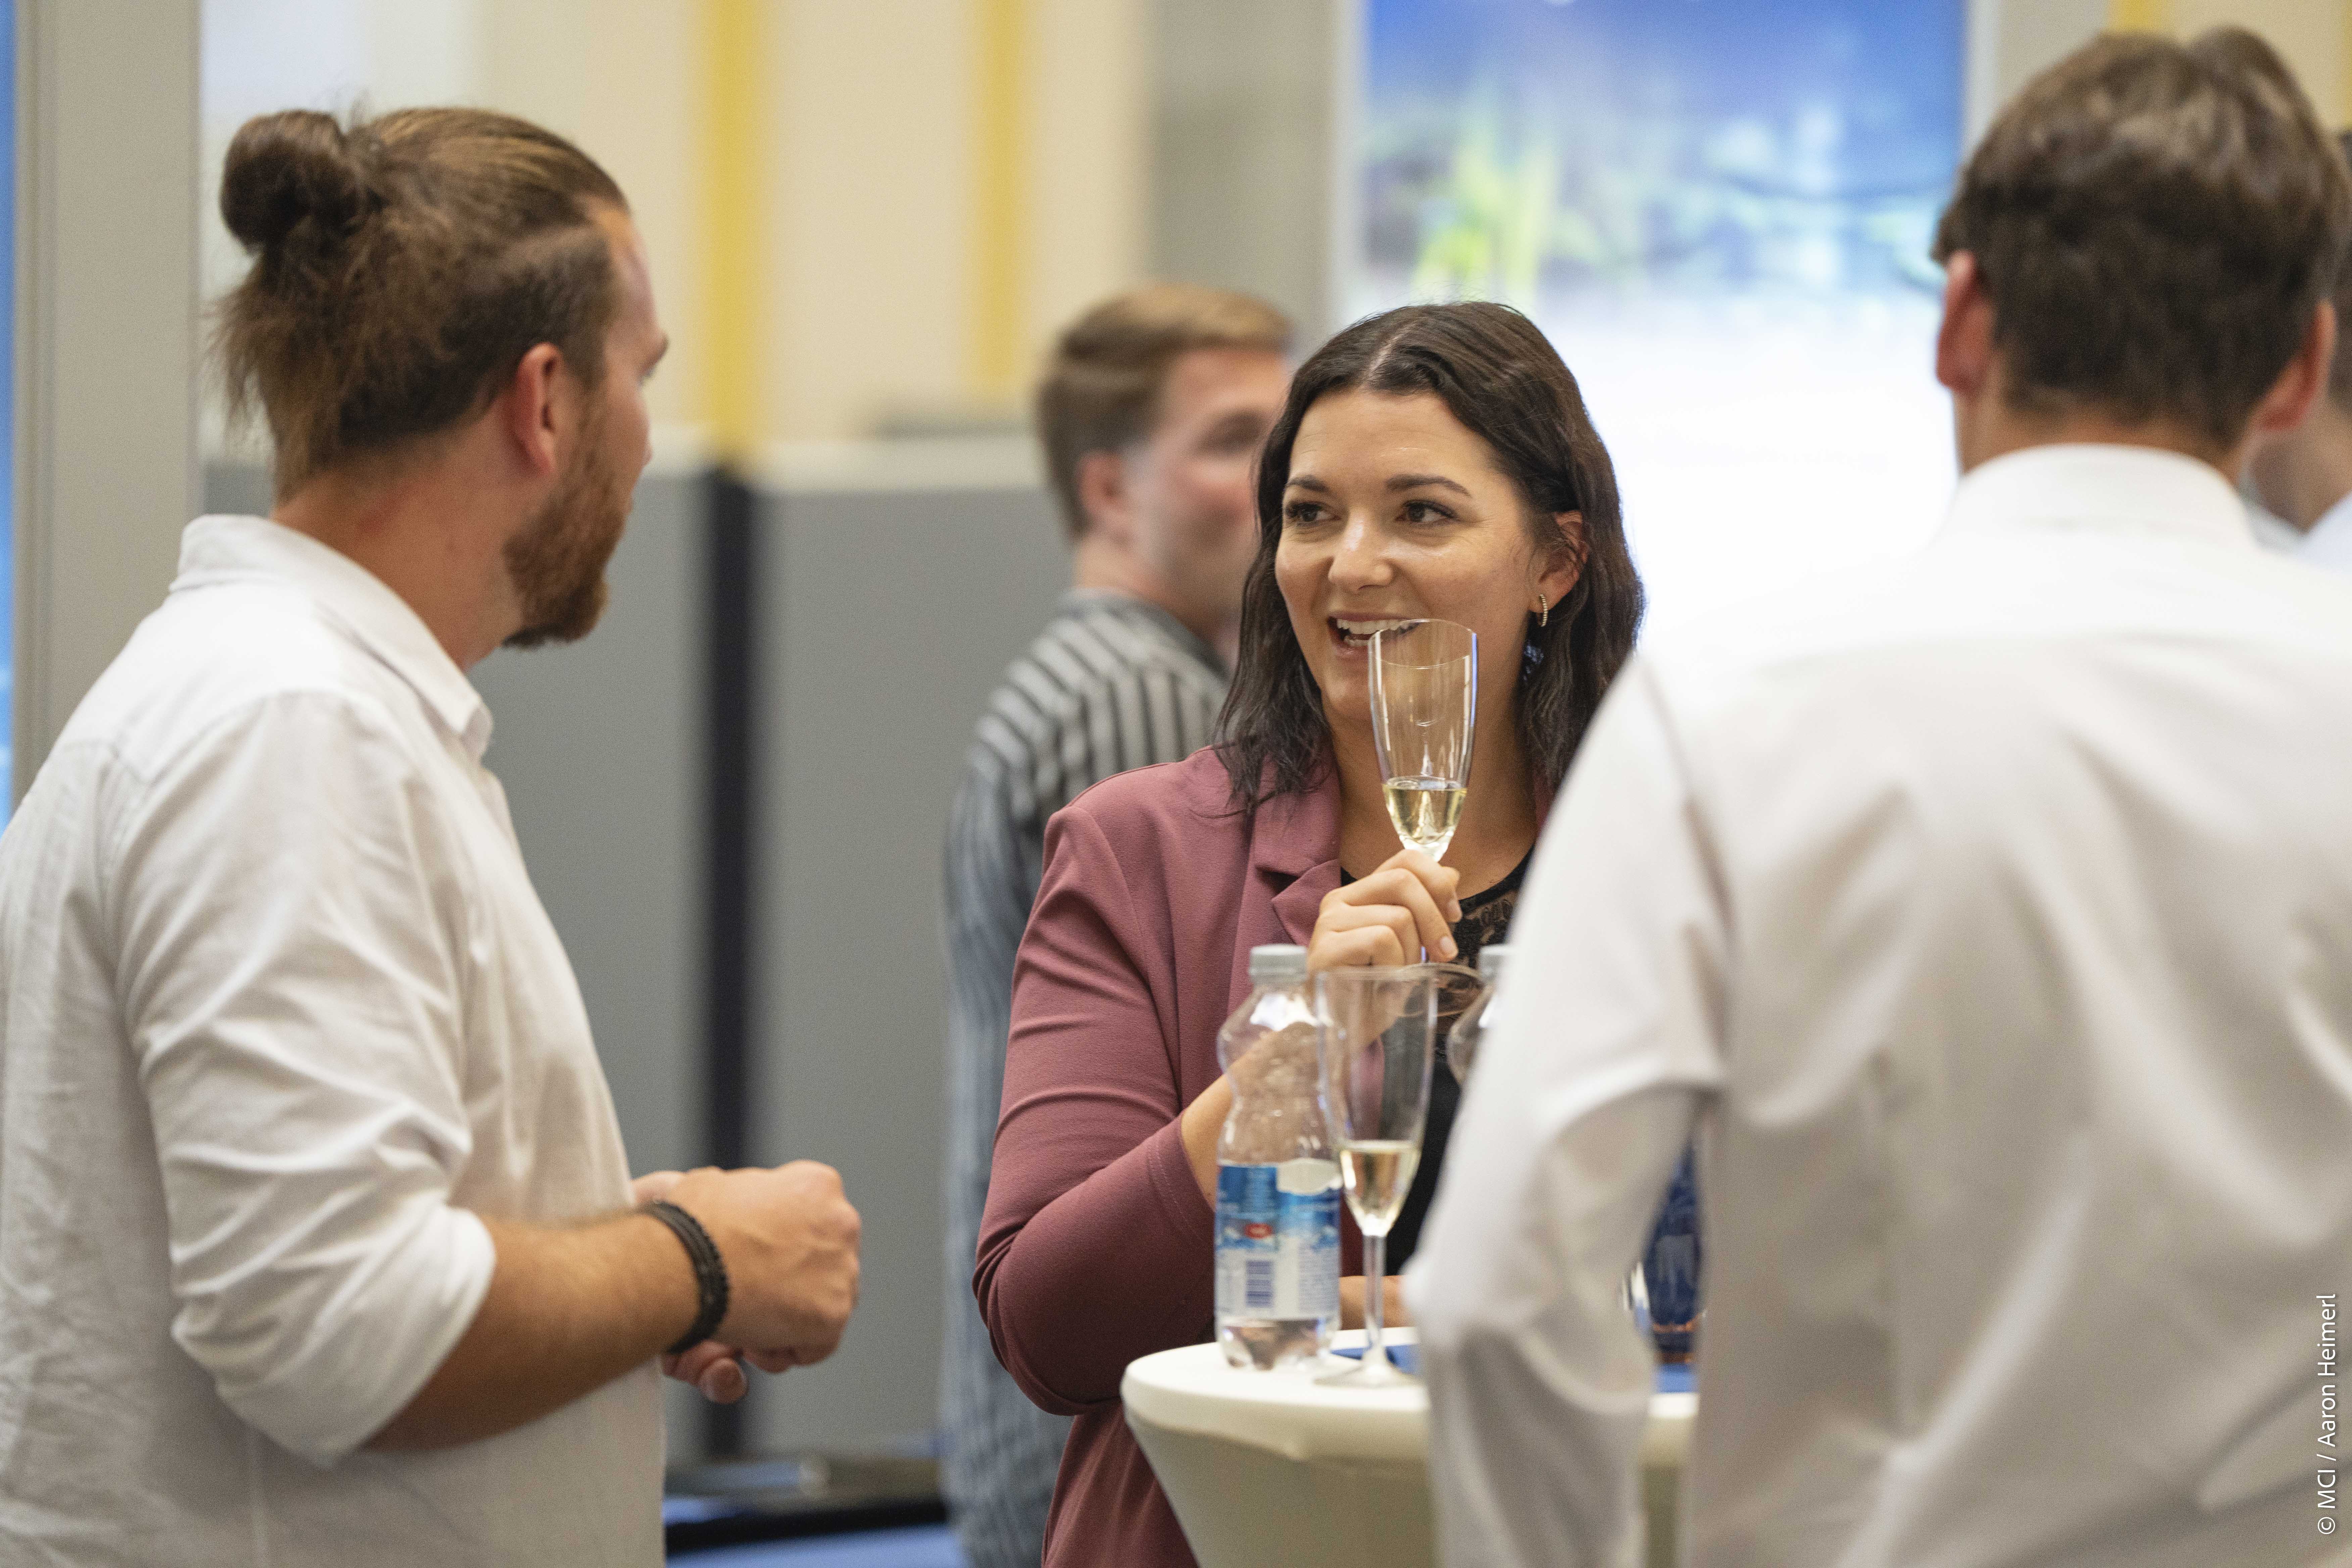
1277, 1185
1479, 1020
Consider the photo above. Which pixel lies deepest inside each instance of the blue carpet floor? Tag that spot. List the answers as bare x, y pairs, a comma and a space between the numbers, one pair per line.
929, 1546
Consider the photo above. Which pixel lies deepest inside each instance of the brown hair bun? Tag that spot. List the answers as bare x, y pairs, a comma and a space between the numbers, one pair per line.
285, 168
404, 267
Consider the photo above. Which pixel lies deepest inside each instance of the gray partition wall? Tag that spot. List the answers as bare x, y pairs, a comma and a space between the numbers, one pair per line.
600, 748
892, 585
891, 603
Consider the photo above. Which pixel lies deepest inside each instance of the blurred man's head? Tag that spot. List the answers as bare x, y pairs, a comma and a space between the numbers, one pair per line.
1151, 412
441, 286
2141, 249
2303, 473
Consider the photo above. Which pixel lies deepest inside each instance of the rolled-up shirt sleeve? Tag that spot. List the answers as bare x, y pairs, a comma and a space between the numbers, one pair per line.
1095, 1243
1579, 1111
292, 958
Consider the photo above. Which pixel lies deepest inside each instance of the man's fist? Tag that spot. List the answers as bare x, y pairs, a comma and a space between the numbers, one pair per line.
788, 1239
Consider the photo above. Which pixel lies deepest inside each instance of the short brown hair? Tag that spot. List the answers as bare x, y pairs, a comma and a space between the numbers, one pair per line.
1102, 389
403, 267
2154, 223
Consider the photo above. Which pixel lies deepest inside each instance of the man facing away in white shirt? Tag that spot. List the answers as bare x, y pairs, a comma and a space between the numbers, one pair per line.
2305, 475
316, 1243
1990, 917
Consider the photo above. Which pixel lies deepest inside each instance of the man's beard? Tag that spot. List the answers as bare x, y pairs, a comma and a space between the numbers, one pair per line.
557, 562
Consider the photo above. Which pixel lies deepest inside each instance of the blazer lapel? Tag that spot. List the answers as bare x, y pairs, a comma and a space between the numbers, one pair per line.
1294, 852
1297, 905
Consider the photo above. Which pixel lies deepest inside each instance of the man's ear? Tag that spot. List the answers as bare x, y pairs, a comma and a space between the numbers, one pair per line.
1964, 352
536, 409
2299, 385
1104, 498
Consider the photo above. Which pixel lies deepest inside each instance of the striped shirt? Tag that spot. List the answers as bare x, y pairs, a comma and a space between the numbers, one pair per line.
1112, 683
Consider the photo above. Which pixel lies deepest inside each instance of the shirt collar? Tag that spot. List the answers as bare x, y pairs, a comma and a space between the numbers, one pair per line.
1170, 629
222, 548
2104, 489
2329, 542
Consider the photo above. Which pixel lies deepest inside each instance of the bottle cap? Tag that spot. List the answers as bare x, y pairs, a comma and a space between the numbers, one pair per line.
1491, 961
1277, 963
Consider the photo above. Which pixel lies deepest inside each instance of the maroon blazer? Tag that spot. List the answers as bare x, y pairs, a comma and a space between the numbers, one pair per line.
1097, 1245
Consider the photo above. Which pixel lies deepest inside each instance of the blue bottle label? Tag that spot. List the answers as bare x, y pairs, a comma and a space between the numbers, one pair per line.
1278, 1240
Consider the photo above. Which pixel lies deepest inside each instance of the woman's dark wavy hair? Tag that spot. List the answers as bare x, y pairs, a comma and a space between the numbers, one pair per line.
1503, 380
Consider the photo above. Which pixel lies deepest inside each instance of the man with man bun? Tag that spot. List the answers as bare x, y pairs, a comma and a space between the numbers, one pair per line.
317, 1241
1989, 916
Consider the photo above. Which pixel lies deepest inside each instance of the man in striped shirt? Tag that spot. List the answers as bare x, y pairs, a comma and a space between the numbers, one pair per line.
1151, 413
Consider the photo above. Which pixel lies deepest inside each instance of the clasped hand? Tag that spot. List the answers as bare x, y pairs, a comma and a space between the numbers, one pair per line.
792, 1255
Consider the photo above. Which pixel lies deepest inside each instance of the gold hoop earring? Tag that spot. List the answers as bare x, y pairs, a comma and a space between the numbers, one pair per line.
1543, 611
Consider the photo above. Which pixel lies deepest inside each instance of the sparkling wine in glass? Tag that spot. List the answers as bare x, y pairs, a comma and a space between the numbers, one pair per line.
1424, 701
1379, 1037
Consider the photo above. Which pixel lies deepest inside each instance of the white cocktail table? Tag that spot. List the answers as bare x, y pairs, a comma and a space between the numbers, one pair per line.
1273, 1468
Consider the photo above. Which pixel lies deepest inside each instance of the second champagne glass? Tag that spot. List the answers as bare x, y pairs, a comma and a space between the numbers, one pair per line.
1379, 1034
1424, 678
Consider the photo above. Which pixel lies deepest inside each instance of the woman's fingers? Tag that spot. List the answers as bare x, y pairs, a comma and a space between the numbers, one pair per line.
1406, 889
1382, 934
1440, 881
1391, 917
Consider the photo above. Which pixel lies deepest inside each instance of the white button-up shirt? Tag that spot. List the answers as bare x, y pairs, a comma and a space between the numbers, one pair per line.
1990, 915
279, 1016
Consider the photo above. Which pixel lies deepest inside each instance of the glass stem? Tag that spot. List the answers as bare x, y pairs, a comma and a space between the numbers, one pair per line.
1376, 1247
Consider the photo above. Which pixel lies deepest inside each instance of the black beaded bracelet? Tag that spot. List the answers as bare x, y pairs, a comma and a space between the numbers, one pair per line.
709, 1272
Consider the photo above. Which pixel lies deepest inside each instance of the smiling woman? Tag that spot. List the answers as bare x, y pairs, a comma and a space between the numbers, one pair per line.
1432, 462
1435, 449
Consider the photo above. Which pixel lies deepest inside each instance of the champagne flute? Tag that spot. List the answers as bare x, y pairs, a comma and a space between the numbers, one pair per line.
1481, 1017
1379, 1030
1424, 703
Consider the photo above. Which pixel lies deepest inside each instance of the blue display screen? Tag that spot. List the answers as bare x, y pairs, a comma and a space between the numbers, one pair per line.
1719, 210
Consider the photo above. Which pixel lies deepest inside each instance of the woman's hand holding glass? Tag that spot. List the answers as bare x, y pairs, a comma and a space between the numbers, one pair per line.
1388, 919
1382, 920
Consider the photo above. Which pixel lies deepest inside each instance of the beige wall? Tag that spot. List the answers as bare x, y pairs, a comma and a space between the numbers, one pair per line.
2315, 37
866, 235
878, 207
866, 173
618, 77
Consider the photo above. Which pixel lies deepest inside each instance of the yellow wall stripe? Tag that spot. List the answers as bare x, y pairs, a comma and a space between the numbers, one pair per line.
1000, 240
2139, 15
734, 54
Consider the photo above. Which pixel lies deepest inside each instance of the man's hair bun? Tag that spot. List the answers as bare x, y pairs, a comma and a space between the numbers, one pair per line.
403, 267
286, 167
